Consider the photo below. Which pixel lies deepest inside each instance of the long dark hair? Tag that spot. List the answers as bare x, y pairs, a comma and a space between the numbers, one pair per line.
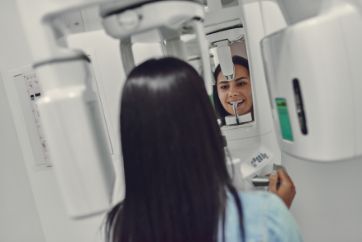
220, 111
174, 164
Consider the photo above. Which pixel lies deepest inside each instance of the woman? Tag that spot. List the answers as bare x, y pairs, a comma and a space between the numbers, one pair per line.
238, 90
177, 185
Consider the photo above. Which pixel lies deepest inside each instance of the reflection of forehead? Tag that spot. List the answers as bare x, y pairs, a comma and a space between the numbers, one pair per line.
241, 72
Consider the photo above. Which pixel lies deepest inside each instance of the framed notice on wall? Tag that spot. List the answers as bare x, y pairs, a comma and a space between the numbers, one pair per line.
23, 91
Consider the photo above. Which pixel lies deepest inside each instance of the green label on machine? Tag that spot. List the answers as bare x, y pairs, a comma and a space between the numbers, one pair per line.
284, 120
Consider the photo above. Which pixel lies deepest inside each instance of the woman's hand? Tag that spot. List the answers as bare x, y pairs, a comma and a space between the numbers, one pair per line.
282, 185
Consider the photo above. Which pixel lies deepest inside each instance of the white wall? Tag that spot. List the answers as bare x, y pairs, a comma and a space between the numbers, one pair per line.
19, 220
31, 208
328, 204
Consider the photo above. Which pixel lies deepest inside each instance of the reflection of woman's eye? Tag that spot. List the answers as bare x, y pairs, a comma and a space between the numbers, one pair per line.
242, 83
224, 87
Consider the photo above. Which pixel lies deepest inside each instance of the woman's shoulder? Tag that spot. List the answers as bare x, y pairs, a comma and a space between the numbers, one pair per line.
264, 211
261, 200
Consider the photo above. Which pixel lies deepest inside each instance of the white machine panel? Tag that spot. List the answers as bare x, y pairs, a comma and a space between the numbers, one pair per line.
313, 76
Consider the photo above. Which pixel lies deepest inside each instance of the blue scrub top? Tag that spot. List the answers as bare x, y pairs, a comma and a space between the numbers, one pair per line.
266, 219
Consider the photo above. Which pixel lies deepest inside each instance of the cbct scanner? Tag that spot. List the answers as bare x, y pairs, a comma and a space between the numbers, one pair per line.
304, 59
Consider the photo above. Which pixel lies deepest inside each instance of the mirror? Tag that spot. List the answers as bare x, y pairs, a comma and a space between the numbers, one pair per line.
233, 99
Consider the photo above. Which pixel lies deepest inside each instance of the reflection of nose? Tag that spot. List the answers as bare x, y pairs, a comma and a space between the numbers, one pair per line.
232, 92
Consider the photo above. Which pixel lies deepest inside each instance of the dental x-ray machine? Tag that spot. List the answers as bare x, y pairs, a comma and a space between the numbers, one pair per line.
311, 57
69, 109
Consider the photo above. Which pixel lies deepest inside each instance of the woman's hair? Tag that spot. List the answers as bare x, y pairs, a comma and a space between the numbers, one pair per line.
174, 164
220, 111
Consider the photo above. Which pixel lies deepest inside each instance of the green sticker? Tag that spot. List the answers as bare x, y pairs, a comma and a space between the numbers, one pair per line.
284, 120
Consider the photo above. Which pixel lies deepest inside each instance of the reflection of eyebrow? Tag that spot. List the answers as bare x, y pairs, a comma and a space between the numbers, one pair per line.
223, 82
241, 78
238, 79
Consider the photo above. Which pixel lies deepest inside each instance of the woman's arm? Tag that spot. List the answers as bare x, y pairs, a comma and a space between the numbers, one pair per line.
282, 185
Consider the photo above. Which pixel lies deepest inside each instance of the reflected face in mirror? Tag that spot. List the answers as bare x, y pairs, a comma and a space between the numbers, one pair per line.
237, 90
